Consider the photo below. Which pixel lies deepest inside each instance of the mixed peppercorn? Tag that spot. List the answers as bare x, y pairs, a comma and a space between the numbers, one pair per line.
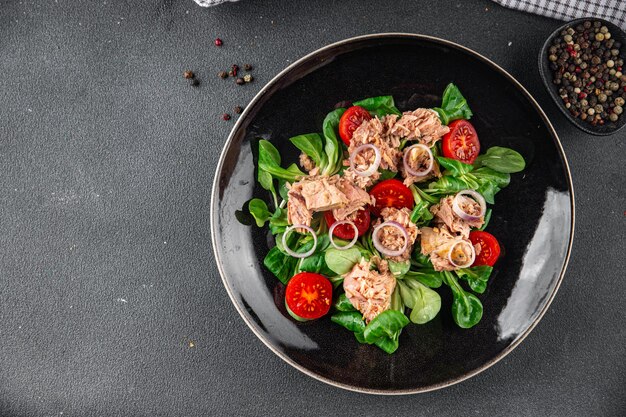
233, 72
587, 66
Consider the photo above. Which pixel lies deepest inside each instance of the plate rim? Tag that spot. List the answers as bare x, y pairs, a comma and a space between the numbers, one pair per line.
253, 326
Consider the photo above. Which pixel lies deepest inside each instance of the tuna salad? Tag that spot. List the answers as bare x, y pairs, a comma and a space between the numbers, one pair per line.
380, 213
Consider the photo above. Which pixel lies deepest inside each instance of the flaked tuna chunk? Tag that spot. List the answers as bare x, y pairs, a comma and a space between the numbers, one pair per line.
313, 194
307, 164
436, 243
320, 193
422, 125
391, 238
477, 249
419, 161
434, 173
444, 214
359, 181
369, 290
297, 213
377, 132
356, 197
362, 162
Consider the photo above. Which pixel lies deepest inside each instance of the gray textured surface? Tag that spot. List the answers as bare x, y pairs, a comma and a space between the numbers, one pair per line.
106, 269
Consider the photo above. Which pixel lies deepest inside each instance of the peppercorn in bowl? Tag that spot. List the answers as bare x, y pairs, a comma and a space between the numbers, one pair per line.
582, 65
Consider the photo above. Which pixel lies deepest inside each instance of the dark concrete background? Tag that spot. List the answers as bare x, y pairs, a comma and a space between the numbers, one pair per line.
110, 299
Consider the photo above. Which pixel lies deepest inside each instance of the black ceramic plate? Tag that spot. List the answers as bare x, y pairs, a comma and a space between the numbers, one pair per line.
546, 75
533, 217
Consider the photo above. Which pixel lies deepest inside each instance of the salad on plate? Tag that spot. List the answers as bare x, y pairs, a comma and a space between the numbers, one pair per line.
383, 210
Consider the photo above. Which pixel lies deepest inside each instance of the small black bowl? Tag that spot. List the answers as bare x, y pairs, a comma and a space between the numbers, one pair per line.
546, 75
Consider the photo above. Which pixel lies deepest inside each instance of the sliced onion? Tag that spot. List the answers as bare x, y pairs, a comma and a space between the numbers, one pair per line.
295, 254
379, 245
407, 166
373, 168
470, 262
466, 216
352, 242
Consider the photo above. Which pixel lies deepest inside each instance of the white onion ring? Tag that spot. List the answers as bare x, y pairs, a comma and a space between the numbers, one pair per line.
295, 254
407, 166
477, 197
379, 245
332, 229
471, 261
373, 168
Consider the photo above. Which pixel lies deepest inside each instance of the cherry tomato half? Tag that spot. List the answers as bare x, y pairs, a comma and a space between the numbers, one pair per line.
308, 296
350, 120
489, 247
391, 193
461, 142
345, 231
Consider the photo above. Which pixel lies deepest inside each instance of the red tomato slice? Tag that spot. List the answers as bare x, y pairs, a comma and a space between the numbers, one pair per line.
350, 120
461, 142
345, 231
391, 193
308, 296
489, 247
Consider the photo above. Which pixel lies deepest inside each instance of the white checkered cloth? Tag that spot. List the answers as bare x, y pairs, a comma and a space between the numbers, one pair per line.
612, 10
207, 3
